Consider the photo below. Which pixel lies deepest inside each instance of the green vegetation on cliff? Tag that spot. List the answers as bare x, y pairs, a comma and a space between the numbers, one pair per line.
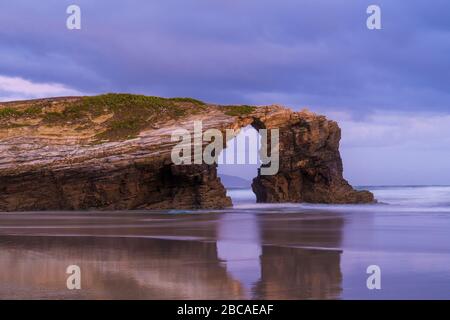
114, 116
13, 113
236, 111
126, 114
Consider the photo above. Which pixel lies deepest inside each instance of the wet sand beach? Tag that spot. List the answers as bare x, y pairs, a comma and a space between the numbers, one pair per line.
248, 252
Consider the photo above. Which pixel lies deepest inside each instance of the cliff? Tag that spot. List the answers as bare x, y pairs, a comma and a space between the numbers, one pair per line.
113, 152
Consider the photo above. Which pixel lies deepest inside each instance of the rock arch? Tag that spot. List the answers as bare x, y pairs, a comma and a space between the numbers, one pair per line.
60, 168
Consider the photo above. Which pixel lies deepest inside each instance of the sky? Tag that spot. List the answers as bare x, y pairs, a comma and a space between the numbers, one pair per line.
388, 89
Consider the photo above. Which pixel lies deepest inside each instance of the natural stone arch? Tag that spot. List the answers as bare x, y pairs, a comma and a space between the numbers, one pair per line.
137, 173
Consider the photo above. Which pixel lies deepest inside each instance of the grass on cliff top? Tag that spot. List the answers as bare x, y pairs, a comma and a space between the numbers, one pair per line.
130, 113
8, 113
236, 111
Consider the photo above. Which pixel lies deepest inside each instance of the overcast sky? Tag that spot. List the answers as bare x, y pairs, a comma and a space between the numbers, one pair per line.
389, 89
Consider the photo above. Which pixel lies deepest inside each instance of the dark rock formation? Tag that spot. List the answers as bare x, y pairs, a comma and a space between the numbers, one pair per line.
149, 185
113, 152
310, 163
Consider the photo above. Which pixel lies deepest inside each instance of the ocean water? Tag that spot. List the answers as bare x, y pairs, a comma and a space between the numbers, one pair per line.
390, 198
250, 251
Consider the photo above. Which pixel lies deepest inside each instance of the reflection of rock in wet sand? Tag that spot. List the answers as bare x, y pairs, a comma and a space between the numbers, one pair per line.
34, 267
204, 256
292, 273
308, 230
289, 271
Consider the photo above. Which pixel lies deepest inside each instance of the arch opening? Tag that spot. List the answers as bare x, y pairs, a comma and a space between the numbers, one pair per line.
239, 163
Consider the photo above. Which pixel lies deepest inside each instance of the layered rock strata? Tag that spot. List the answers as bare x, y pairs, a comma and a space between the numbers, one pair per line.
113, 152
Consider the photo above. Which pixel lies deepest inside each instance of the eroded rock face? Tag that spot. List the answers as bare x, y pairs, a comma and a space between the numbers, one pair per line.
53, 162
145, 185
310, 163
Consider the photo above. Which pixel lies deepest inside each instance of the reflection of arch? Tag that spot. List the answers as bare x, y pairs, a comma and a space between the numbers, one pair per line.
114, 268
239, 245
295, 257
300, 259
295, 273
225, 256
